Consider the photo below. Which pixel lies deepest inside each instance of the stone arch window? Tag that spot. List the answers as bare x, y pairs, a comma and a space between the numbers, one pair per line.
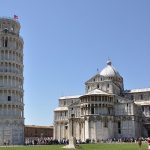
65, 113
98, 86
107, 85
119, 127
109, 111
9, 67
92, 109
6, 42
9, 98
6, 67
143, 108
102, 98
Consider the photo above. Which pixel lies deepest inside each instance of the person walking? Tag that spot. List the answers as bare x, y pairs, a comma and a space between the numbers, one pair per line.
148, 142
139, 142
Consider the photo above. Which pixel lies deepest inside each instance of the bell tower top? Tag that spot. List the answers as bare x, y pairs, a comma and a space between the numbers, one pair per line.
10, 25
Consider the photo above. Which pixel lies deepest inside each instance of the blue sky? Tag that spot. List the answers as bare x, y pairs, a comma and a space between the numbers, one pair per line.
65, 41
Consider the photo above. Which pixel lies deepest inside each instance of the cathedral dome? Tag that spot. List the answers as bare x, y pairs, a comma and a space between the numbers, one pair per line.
109, 71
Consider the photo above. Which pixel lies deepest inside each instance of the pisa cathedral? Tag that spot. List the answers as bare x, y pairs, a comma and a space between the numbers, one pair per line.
105, 111
11, 83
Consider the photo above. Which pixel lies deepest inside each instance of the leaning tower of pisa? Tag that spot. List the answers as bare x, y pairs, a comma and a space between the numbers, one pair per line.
11, 83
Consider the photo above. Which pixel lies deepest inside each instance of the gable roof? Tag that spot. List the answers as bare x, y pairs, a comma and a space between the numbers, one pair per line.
97, 92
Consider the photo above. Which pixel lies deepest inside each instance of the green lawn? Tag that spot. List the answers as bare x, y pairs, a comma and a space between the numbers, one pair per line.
82, 147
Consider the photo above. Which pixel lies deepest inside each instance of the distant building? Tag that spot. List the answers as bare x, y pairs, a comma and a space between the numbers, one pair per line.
105, 111
11, 83
38, 131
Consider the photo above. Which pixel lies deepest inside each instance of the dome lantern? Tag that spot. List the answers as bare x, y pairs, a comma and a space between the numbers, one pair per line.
109, 62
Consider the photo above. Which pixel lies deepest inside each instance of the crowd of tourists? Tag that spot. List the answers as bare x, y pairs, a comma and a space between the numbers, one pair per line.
50, 140
44, 141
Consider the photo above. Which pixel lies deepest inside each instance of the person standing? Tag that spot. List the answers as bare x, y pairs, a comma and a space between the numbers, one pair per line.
140, 142
148, 142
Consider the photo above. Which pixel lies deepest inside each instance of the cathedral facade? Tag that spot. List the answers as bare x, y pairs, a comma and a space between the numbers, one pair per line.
105, 111
11, 83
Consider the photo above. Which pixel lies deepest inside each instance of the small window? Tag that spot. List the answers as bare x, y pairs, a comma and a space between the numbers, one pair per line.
98, 86
143, 108
119, 127
9, 98
94, 80
92, 110
107, 85
6, 42
109, 111
72, 115
141, 97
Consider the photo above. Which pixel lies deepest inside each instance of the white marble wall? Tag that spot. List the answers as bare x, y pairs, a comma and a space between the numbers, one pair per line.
11, 134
